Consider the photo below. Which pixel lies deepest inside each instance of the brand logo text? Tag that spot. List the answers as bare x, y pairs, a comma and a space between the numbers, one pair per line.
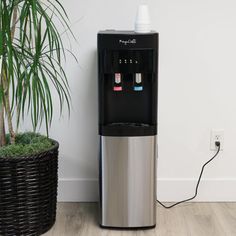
129, 41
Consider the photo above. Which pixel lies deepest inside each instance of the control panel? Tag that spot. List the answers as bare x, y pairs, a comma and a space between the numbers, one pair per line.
129, 61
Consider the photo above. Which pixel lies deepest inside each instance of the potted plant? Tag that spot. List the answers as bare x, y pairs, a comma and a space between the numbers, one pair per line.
31, 53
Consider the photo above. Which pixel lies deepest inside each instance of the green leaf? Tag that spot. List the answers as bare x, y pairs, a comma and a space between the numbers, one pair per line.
32, 60
1, 94
1, 43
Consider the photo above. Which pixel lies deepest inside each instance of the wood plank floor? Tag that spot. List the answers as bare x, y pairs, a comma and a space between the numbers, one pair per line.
190, 219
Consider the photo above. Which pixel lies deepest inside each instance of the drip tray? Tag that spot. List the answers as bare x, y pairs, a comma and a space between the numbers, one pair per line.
128, 129
128, 124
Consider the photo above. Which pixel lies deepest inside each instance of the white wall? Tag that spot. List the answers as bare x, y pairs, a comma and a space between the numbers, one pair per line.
197, 92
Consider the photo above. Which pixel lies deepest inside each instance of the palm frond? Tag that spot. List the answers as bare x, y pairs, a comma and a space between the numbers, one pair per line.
32, 60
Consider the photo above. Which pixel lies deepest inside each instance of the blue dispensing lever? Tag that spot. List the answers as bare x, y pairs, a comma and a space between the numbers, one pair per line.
138, 82
138, 88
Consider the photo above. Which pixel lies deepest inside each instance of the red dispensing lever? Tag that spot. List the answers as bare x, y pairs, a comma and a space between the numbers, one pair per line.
117, 85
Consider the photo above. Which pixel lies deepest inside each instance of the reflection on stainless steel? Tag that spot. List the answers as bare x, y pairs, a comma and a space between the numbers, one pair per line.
127, 181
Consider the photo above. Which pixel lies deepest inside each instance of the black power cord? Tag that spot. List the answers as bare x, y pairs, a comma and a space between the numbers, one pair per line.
217, 143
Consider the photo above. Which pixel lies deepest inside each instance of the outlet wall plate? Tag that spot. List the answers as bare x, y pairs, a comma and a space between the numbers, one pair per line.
217, 135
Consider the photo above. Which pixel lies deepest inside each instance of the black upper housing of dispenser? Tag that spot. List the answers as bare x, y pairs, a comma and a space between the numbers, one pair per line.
127, 112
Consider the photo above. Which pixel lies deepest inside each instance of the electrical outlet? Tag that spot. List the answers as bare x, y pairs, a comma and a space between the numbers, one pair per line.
217, 135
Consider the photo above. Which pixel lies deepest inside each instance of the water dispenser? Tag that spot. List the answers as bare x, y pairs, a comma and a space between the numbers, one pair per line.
127, 80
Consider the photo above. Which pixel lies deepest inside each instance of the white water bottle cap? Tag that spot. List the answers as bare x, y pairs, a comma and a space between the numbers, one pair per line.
142, 22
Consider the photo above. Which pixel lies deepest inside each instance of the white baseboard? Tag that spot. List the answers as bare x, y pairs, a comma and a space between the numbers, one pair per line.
210, 190
168, 190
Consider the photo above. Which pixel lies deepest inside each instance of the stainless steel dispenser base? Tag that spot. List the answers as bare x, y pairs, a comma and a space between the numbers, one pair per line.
127, 181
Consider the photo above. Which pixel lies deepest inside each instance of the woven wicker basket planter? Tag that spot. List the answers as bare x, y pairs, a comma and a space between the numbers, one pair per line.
28, 193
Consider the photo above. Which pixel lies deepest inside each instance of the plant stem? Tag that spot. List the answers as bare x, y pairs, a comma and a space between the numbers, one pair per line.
7, 106
2, 126
9, 118
6, 87
2, 121
14, 21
